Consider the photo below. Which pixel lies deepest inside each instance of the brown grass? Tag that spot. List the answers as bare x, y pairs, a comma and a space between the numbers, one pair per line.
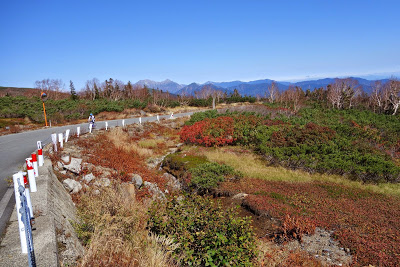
120, 237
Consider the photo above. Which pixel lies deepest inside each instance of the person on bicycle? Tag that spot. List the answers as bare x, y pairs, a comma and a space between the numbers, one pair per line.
91, 119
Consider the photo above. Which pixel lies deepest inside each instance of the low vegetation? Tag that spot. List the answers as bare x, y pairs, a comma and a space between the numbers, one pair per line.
208, 234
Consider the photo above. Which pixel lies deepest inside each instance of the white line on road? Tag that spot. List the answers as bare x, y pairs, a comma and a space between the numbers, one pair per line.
5, 200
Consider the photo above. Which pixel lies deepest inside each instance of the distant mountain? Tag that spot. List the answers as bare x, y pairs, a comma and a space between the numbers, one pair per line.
166, 85
195, 87
225, 84
254, 89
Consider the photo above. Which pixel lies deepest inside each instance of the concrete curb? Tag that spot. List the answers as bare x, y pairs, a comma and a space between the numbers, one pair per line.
53, 210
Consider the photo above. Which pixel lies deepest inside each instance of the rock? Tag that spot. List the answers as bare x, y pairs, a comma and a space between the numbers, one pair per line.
153, 162
172, 181
65, 158
72, 186
240, 196
60, 166
137, 180
88, 177
347, 250
74, 166
154, 190
96, 192
63, 172
104, 182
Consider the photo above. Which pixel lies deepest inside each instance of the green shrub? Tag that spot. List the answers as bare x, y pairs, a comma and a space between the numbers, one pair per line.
207, 176
208, 235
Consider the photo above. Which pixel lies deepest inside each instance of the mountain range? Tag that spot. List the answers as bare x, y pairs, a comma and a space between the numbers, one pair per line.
251, 88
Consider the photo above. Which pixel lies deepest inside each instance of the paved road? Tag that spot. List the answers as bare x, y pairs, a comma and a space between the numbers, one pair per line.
14, 148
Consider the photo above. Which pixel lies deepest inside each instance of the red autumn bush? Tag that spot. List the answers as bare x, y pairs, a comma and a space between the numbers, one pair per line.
209, 132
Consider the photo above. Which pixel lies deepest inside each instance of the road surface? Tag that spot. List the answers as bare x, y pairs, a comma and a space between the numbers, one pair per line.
14, 148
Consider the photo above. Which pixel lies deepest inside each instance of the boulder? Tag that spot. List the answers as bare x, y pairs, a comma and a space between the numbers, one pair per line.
137, 180
65, 158
75, 166
88, 177
172, 181
240, 196
72, 186
154, 190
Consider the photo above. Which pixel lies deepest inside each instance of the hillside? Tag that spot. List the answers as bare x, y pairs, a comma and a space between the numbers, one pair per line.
297, 214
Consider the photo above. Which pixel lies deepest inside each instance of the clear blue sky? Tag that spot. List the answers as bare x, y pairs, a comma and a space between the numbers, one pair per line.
196, 41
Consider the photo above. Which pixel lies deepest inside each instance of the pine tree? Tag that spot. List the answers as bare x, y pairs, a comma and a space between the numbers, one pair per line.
74, 96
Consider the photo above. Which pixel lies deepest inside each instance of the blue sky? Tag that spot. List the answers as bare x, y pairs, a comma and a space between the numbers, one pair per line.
196, 41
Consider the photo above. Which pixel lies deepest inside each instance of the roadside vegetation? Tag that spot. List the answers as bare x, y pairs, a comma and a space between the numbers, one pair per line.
253, 181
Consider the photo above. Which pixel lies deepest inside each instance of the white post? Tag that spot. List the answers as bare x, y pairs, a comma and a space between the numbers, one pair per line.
61, 140
158, 118
90, 128
78, 131
123, 123
54, 140
21, 228
40, 153
35, 164
172, 116
31, 174
140, 120
66, 135
106, 125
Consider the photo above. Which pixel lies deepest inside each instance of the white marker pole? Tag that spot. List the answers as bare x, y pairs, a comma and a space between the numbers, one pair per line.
27, 194
21, 228
106, 125
140, 120
158, 118
54, 140
31, 175
123, 123
61, 140
66, 135
78, 131
172, 116
90, 128
35, 164
40, 153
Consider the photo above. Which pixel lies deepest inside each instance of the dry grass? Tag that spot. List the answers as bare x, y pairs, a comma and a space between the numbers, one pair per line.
122, 140
272, 255
150, 143
120, 237
254, 167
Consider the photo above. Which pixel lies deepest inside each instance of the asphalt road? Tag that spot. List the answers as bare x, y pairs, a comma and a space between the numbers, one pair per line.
14, 148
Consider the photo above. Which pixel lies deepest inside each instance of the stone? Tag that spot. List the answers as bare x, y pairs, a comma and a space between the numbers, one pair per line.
96, 192
60, 166
88, 177
137, 180
154, 190
72, 186
74, 166
65, 158
63, 172
103, 182
240, 196
172, 181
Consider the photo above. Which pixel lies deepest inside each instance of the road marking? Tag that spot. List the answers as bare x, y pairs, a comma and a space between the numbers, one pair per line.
5, 200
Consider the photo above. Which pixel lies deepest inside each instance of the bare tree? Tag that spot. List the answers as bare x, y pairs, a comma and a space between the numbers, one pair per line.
343, 92
52, 87
394, 94
377, 96
92, 89
272, 92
